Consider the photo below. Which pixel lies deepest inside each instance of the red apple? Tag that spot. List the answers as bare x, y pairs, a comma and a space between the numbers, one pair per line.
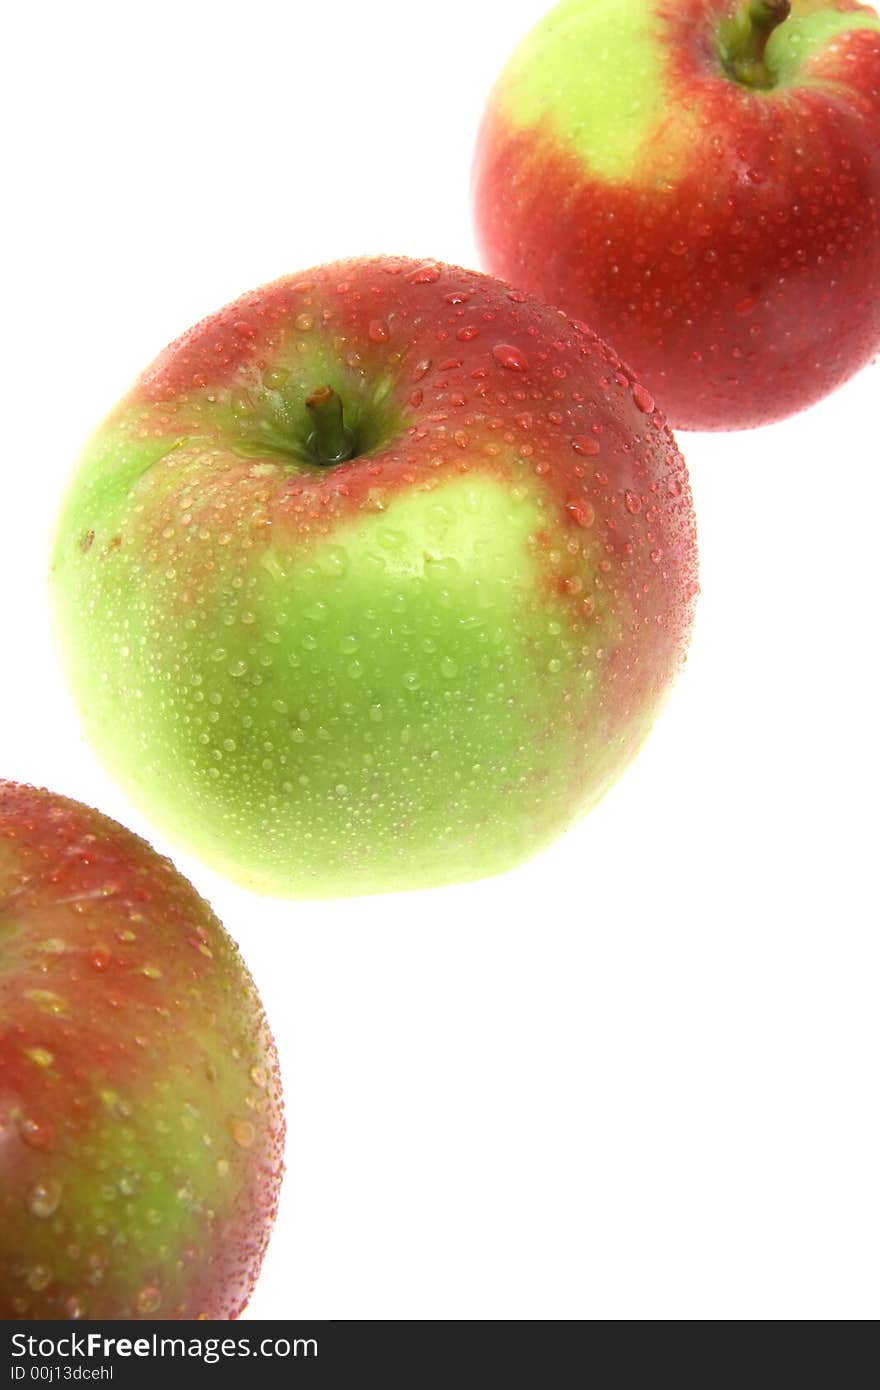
700, 181
140, 1103
391, 634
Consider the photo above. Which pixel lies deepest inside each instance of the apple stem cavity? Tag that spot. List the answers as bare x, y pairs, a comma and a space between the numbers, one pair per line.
744, 51
331, 440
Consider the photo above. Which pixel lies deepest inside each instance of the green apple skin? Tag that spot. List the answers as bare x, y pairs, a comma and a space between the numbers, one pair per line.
409, 669
715, 217
141, 1130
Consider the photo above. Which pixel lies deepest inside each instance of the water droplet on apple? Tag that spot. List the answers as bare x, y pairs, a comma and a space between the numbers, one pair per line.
427, 274
332, 560
584, 444
49, 1002
149, 1299
506, 355
633, 502
581, 512
35, 1133
747, 306
44, 1197
40, 1056
243, 1133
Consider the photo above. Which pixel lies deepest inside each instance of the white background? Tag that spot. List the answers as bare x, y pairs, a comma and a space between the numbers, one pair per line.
638, 1077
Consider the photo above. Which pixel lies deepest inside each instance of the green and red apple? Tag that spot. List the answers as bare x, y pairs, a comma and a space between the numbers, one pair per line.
700, 182
376, 579
140, 1105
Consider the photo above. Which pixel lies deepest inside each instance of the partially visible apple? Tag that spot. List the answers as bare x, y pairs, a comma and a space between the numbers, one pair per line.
700, 181
376, 580
140, 1103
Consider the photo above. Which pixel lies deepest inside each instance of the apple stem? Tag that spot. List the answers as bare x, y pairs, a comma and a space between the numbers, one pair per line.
331, 441
761, 18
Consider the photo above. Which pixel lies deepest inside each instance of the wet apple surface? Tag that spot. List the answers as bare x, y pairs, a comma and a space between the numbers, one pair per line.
415, 665
700, 181
140, 1105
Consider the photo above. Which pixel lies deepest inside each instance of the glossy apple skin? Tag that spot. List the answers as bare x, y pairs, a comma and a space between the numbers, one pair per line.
413, 668
141, 1129
731, 251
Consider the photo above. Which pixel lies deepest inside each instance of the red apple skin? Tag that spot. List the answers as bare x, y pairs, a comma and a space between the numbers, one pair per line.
141, 1130
749, 286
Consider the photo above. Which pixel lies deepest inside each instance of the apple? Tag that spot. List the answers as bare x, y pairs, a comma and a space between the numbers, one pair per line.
700, 182
140, 1104
376, 579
